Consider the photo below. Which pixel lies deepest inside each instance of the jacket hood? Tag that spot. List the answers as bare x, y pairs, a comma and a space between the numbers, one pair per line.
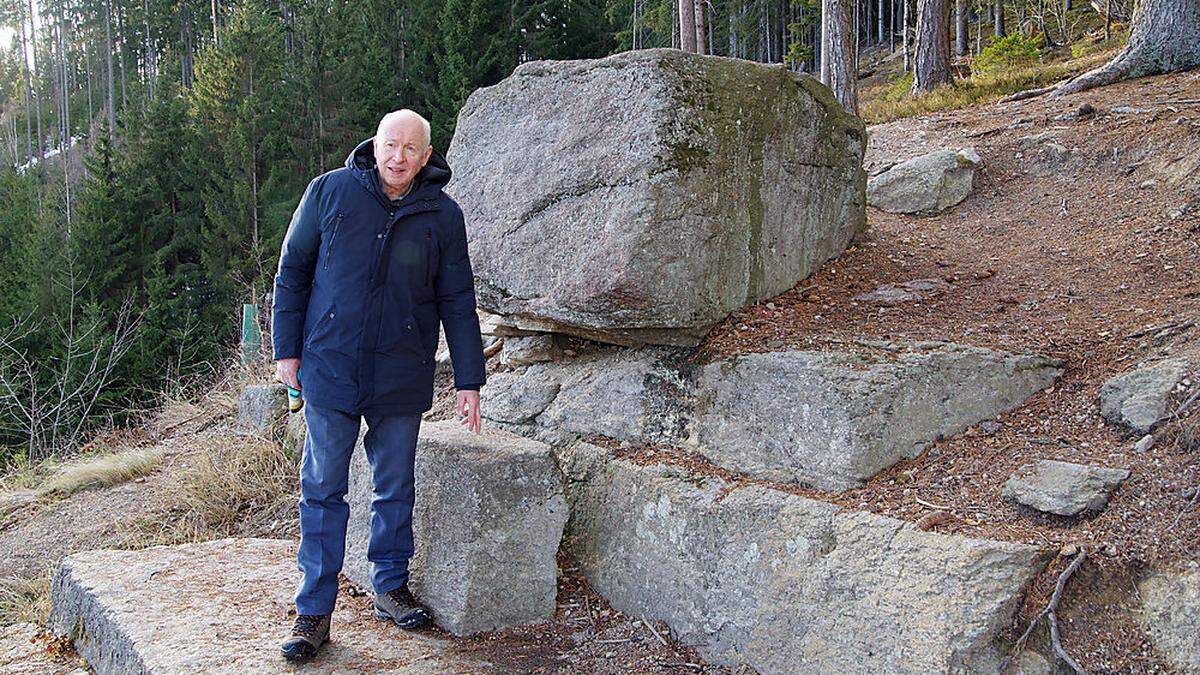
428, 182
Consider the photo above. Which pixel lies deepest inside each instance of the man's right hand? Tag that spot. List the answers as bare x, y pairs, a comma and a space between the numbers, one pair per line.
285, 372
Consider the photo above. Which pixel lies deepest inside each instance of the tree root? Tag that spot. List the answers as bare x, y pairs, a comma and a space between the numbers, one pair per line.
1049, 614
1029, 93
1113, 71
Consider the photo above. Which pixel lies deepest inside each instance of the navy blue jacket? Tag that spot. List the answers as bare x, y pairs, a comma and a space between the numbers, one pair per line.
363, 283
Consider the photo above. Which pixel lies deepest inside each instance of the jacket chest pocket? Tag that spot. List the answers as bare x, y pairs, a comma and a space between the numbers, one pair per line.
333, 234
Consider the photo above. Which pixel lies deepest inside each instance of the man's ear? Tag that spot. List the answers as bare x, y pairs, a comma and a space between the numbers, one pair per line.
428, 154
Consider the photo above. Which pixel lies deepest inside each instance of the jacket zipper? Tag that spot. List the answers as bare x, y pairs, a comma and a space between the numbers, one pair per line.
332, 238
428, 257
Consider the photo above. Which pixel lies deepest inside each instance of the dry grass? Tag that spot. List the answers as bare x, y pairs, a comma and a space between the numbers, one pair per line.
24, 600
242, 486
882, 103
101, 472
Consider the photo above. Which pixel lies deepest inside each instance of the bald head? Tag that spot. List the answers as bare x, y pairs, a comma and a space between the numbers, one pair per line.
401, 150
410, 121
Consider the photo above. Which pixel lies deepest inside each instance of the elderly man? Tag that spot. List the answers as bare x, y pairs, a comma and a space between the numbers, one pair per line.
374, 258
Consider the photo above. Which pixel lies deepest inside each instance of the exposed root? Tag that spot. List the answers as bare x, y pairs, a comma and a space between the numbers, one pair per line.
1114, 71
1029, 93
1049, 614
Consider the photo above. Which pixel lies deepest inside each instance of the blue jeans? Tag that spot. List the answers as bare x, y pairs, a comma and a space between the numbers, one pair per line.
391, 442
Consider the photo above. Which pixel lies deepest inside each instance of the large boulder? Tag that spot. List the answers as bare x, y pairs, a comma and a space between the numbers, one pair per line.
927, 184
786, 584
831, 420
487, 523
1138, 398
219, 607
835, 419
1171, 615
662, 191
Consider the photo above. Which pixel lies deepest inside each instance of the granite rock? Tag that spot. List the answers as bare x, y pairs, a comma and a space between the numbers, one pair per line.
662, 191
784, 584
487, 523
1063, 488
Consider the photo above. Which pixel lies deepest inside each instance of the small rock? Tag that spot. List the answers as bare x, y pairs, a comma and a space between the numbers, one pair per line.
1138, 398
990, 427
927, 184
523, 351
1145, 443
1063, 488
909, 291
1146, 184
262, 407
1127, 110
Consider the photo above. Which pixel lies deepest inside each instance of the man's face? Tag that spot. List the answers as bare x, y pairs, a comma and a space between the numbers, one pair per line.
400, 152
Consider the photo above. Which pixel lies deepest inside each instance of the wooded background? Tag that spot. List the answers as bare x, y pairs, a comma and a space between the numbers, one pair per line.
153, 151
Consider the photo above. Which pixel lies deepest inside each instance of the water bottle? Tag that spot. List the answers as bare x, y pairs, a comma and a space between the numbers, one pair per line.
295, 400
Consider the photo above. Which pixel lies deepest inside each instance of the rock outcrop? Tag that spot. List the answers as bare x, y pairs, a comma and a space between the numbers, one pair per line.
487, 523
786, 584
661, 192
827, 419
1138, 398
1064, 488
218, 607
927, 184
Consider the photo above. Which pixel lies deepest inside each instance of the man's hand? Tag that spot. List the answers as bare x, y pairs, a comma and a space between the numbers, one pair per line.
467, 407
285, 372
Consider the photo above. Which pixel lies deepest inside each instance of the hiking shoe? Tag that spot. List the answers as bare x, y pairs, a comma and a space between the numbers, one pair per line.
310, 632
400, 606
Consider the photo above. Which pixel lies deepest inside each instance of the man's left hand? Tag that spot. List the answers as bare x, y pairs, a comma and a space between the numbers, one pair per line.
467, 406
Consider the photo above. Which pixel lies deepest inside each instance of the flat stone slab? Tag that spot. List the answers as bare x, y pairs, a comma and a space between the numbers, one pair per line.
831, 420
901, 293
661, 192
487, 523
1063, 488
1171, 615
1138, 398
219, 607
786, 584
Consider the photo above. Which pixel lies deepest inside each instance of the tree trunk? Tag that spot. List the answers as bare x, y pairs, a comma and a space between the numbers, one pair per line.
892, 32
904, 34
998, 16
701, 28
687, 25
150, 57
962, 33
108, 51
37, 96
839, 66
216, 10
931, 64
879, 23
28, 87
1165, 38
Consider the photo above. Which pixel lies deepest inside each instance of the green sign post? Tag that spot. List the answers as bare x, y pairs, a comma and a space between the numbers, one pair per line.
251, 334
